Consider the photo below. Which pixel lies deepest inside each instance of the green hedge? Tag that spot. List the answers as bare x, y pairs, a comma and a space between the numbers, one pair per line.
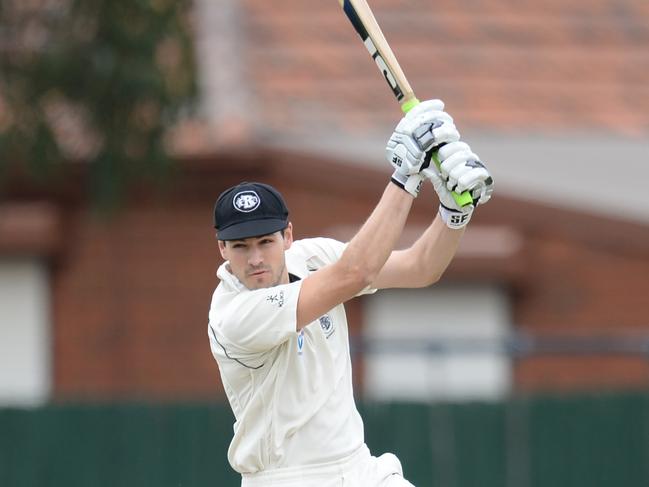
535, 442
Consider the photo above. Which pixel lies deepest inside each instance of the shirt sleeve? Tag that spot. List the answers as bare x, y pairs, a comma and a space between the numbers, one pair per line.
258, 320
319, 252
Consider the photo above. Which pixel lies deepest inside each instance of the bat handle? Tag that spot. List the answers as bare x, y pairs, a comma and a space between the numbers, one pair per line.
408, 103
463, 199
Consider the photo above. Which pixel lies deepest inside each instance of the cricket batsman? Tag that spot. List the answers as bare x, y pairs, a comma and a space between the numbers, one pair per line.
277, 325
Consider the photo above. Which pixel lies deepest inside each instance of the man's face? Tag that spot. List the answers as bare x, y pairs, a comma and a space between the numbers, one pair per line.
259, 262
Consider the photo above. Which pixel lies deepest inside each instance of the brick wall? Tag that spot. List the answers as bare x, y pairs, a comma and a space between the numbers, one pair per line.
577, 291
131, 292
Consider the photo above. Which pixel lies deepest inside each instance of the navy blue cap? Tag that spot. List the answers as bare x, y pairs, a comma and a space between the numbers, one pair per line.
249, 210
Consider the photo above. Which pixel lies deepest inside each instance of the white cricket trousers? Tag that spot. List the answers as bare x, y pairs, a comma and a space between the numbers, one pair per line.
360, 469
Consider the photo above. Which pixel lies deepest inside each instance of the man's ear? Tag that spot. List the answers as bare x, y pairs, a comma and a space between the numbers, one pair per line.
288, 236
223, 249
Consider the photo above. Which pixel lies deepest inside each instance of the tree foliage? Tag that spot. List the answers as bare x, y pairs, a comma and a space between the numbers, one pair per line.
97, 81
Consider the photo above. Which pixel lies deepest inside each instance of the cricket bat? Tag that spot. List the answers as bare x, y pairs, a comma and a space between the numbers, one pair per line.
360, 15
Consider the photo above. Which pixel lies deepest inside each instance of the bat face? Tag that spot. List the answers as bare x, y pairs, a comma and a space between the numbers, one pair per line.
351, 13
383, 67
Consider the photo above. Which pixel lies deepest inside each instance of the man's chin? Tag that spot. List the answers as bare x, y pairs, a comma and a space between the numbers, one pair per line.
260, 284
253, 284
261, 281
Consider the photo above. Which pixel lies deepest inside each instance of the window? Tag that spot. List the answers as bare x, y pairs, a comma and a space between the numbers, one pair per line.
24, 332
444, 342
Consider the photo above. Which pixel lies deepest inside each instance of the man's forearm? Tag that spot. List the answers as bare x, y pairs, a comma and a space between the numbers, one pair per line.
434, 250
372, 245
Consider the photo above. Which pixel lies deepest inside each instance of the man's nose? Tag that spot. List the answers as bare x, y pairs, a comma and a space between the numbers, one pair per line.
255, 258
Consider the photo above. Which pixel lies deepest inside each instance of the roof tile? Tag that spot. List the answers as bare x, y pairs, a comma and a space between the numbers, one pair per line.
582, 65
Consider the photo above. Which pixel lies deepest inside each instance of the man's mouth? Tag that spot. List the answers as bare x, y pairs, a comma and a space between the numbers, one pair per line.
257, 273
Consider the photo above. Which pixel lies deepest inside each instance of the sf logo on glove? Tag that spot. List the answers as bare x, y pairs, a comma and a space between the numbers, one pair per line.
246, 201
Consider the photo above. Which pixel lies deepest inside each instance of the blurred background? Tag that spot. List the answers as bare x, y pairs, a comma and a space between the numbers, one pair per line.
121, 122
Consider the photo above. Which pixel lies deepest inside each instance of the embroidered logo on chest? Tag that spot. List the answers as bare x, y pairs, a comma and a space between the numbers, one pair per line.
277, 298
327, 325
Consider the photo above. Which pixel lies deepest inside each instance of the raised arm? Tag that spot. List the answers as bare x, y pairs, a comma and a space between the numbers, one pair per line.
426, 260
367, 252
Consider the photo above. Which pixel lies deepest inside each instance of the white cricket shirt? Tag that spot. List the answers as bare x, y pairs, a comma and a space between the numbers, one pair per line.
291, 393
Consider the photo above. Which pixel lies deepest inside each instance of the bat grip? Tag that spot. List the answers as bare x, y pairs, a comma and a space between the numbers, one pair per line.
463, 199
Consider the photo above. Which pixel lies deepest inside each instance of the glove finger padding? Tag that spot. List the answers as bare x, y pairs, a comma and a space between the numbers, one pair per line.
407, 147
464, 171
424, 128
444, 194
464, 163
475, 178
481, 193
457, 166
460, 170
429, 129
446, 157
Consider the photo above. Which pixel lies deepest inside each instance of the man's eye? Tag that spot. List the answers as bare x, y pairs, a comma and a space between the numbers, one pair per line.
238, 246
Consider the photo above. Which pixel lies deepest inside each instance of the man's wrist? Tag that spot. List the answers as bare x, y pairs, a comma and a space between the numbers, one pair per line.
455, 219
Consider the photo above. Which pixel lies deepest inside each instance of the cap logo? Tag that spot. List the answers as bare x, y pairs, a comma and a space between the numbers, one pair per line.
246, 201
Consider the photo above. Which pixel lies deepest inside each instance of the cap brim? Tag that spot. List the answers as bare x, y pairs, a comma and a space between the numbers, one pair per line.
255, 228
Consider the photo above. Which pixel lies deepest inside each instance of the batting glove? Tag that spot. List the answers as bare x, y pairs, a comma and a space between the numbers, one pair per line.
424, 128
460, 170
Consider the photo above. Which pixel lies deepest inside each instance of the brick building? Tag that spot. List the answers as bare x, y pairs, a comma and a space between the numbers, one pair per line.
128, 296
115, 308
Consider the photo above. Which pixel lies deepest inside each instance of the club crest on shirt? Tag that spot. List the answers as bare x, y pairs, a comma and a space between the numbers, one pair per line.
327, 325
